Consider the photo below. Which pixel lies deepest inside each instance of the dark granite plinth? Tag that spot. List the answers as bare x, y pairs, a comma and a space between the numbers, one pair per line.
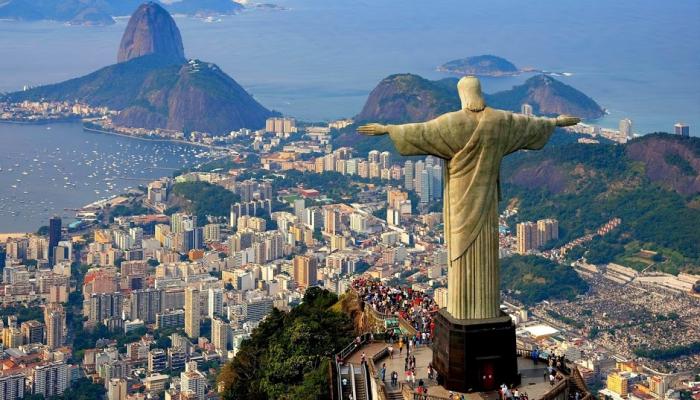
474, 355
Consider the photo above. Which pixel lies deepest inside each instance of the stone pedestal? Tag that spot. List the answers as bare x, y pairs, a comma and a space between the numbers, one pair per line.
474, 355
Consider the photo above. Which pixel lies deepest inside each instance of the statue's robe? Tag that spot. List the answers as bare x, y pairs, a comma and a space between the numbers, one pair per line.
472, 144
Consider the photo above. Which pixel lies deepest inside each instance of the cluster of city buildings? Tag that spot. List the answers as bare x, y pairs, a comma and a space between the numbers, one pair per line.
49, 111
620, 135
186, 291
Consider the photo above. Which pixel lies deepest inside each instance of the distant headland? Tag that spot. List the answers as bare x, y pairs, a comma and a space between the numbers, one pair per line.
102, 12
489, 65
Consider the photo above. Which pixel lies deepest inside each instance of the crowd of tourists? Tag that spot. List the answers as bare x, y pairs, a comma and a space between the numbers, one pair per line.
418, 309
414, 306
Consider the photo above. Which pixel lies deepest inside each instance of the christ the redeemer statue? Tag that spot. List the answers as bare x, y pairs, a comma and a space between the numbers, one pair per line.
472, 141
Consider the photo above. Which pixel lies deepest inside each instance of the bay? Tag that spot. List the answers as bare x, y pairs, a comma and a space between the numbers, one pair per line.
55, 168
318, 60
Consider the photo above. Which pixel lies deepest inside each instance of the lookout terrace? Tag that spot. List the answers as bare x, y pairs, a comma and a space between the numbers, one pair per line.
392, 356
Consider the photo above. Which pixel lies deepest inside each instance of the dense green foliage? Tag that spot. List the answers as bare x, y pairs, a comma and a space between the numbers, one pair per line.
206, 199
559, 91
133, 209
83, 389
116, 86
22, 313
681, 163
287, 355
601, 182
668, 353
532, 279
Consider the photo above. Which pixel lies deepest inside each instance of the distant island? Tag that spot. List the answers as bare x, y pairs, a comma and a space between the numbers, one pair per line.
152, 89
490, 65
102, 12
484, 65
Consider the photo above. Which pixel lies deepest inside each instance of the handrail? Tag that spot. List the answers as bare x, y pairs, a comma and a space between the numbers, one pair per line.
343, 355
366, 375
381, 388
402, 321
340, 379
350, 348
352, 382
556, 390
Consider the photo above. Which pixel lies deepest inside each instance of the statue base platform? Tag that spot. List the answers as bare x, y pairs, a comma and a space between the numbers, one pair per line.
474, 355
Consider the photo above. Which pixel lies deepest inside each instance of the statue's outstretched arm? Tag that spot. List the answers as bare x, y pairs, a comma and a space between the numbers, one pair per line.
415, 139
532, 133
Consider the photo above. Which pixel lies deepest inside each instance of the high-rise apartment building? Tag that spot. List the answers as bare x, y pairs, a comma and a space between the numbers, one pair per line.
626, 128
32, 332
681, 129
220, 332
408, 175
192, 312
55, 321
527, 237
51, 379
215, 302
305, 272
54, 237
12, 387
146, 304
547, 229
157, 361
116, 389
192, 382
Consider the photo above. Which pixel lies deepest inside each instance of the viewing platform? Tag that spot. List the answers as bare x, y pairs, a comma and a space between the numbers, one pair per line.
363, 382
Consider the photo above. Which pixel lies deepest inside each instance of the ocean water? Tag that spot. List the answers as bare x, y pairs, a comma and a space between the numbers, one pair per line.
318, 59
51, 169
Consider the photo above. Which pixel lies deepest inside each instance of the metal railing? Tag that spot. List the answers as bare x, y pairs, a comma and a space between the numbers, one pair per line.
352, 382
366, 374
343, 355
381, 389
561, 387
403, 323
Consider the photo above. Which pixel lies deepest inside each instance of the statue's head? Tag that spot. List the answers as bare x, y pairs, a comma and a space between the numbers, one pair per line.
469, 89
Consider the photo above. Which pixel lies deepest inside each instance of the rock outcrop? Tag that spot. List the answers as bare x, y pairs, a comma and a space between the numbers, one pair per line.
547, 96
151, 30
154, 86
405, 98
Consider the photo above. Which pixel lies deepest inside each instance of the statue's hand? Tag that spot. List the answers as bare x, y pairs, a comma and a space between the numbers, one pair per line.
373, 129
567, 120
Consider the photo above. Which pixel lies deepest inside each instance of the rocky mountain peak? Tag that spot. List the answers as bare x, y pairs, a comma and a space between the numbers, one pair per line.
151, 30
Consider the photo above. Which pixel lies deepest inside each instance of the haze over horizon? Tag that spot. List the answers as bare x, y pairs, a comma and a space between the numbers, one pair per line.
627, 74
309, 200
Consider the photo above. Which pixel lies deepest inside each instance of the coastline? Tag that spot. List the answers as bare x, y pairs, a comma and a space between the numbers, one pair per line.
95, 130
40, 122
24, 226
5, 236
